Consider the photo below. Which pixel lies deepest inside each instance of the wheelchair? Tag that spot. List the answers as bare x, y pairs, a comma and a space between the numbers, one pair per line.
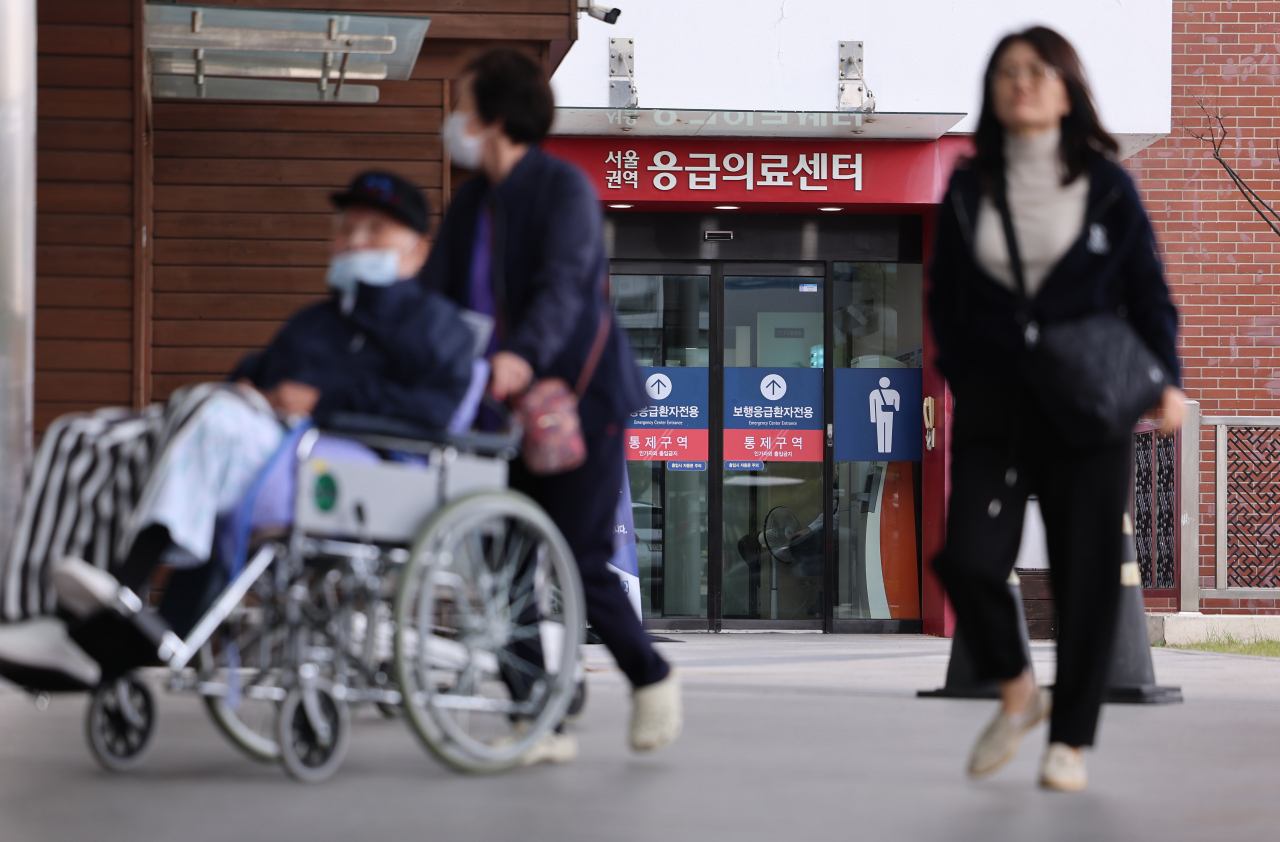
410, 578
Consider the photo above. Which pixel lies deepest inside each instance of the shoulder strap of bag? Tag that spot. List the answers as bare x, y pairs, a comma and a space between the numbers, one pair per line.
597, 350
1030, 330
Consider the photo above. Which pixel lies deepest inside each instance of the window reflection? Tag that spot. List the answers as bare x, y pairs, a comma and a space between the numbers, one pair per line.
667, 321
773, 517
878, 323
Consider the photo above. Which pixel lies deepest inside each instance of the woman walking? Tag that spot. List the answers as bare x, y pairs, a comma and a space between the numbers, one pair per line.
1041, 231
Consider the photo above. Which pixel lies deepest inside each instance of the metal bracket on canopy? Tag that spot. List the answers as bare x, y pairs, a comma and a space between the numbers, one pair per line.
622, 73
854, 94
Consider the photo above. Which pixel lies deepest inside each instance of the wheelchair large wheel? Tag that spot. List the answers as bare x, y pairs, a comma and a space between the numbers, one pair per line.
489, 619
240, 674
121, 723
314, 734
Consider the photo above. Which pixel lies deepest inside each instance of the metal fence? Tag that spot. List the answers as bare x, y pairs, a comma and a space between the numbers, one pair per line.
1247, 506
1156, 509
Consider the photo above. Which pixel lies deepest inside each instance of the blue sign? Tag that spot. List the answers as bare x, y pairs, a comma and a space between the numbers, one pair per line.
738, 465
677, 399
686, 466
772, 398
878, 414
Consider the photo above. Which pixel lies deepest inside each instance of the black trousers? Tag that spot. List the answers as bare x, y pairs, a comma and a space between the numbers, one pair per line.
583, 503
1083, 499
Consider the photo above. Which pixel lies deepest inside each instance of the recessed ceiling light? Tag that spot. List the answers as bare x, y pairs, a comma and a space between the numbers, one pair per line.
621, 207
830, 210
726, 207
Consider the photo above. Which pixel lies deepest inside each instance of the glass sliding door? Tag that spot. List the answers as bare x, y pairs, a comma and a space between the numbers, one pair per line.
667, 319
773, 517
877, 355
791, 508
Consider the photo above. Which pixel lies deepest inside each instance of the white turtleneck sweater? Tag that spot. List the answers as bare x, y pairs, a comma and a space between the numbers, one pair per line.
1047, 217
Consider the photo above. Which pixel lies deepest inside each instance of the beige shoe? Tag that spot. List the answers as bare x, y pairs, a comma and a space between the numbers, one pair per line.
999, 742
552, 747
656, 714
1062, 768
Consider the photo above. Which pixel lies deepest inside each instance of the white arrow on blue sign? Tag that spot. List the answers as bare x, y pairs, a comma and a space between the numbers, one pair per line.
773, 386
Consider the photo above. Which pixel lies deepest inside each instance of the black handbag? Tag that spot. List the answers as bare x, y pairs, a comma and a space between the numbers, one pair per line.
1093, 376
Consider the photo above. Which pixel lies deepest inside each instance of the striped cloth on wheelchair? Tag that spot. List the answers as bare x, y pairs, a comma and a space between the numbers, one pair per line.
87, 476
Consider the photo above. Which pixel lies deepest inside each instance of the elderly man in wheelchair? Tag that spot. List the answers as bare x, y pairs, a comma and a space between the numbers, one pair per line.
332, 536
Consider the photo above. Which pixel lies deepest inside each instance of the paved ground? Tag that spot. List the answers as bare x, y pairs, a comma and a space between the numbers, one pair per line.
787, 737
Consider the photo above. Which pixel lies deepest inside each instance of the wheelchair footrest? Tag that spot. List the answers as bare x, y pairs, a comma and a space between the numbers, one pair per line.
121, 643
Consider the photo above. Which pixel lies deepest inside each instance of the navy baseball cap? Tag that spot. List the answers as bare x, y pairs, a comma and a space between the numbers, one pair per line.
390, 194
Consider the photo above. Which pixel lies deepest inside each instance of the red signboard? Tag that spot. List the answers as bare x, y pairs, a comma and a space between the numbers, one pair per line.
811, 173
649, 444
773, 445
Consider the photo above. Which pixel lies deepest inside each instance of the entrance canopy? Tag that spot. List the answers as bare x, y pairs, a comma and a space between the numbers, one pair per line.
815, 125
199, 52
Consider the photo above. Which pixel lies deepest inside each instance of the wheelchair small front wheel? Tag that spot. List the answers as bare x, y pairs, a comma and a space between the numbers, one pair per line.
314, 732
121, 723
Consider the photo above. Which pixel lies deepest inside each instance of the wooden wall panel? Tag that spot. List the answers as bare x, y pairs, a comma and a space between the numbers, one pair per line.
84, 103
104, 293
113, 199
332, 145
84, 222
104, 135
234, 196
242, 212
84, 12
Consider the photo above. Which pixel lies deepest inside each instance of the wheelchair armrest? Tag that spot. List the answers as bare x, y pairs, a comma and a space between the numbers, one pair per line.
381, 425
385, 431
500, 445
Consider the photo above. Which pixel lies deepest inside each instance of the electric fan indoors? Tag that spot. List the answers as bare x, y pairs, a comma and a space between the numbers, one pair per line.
780, 526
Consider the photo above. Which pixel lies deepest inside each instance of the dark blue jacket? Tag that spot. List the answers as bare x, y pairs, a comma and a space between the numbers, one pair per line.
402, 353
548, 227
980, 348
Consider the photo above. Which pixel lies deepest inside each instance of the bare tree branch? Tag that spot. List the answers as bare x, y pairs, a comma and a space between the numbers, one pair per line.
1215, 134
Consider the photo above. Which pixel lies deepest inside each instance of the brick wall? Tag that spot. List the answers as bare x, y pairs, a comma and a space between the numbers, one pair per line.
1220, 257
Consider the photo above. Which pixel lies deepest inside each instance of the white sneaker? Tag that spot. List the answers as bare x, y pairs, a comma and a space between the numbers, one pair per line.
656, 714
999, 742
83, 589
1062, 768
39, 653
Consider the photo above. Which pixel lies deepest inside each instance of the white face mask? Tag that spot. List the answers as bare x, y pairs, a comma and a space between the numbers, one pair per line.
464, 148
375, 267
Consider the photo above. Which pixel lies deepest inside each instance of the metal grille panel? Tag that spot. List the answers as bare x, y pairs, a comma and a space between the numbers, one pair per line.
1143, 521
1166, 519
1253, 507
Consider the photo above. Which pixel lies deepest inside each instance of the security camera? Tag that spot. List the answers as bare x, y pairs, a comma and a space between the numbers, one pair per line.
604, 13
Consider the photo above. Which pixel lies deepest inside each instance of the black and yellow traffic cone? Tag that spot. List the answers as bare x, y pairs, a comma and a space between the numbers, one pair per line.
962, 679
1132, 679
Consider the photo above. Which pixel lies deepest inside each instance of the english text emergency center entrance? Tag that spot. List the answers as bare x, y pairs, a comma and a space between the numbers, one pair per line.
773, 292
